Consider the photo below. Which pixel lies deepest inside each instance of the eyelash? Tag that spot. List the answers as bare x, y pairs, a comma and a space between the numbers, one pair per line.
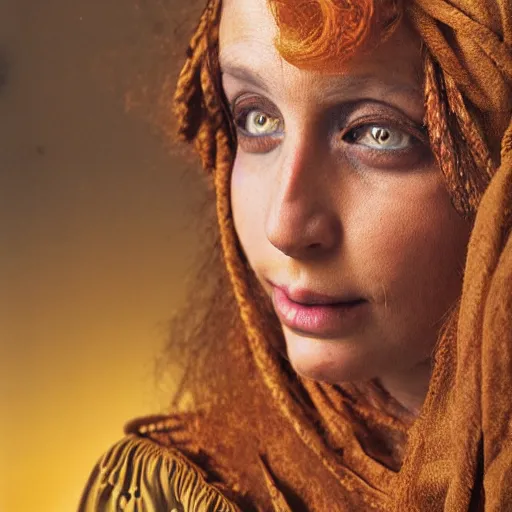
251, 143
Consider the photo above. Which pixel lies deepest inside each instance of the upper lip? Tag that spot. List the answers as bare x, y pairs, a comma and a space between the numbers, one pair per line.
309, 297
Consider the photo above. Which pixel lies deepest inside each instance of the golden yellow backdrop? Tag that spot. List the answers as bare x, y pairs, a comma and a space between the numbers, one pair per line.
94, 220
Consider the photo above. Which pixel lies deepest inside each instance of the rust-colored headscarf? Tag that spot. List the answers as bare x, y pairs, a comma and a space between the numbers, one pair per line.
275, 441
459, 453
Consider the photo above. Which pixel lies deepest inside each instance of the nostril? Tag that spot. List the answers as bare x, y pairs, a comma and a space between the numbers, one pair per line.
300, 229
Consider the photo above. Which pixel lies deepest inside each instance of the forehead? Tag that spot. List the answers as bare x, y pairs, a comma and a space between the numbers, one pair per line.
247, 21
246, 40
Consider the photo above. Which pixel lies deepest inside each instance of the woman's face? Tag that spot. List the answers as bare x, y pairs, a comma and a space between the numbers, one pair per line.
338, 202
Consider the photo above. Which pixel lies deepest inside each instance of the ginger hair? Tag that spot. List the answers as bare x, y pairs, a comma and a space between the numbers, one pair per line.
324, 34
313, 34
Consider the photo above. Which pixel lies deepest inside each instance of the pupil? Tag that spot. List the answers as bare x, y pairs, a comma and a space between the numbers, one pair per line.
381, 135
261, 119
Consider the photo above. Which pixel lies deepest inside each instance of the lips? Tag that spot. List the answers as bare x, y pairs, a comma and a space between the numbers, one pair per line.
318, 315
308, 298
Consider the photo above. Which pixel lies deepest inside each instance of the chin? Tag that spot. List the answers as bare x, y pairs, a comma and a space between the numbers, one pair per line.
331, 361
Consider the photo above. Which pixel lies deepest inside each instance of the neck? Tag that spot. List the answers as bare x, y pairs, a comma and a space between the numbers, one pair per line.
409, 388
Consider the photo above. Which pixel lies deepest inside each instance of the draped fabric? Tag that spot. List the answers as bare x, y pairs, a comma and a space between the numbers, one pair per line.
275, 441
460, 451
137, 474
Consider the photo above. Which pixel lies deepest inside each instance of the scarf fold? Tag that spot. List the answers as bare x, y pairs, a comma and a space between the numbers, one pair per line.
471, 39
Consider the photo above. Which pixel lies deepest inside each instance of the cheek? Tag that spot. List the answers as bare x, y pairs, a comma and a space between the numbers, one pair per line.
248, 207
403, 240
421, 243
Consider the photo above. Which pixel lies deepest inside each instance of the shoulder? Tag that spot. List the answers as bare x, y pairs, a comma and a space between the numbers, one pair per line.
139, 473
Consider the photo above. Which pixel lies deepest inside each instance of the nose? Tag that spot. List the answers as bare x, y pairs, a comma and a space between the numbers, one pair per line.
302, 221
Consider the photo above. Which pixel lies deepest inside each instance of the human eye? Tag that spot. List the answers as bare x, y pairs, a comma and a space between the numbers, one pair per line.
380, 137
259, 126
257, 122
388, 143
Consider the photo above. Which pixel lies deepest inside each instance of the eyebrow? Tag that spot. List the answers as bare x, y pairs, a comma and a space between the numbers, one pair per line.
253, 77
244, 74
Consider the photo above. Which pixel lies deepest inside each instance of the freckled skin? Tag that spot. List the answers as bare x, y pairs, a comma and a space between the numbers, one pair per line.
337, 216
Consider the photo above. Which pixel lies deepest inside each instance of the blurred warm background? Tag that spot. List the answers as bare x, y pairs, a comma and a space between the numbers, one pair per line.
96, 220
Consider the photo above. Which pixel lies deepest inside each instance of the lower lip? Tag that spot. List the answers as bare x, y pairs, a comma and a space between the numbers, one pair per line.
328, 321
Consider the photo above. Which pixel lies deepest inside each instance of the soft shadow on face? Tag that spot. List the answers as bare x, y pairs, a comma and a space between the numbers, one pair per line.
338, 203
